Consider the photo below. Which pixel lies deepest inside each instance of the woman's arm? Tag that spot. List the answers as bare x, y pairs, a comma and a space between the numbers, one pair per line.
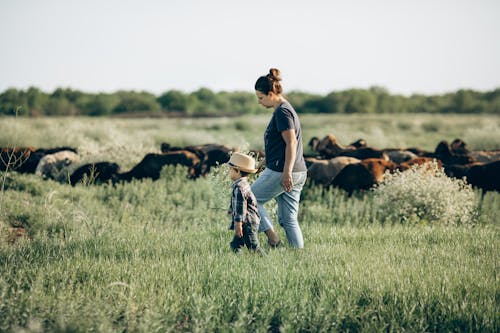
290, 155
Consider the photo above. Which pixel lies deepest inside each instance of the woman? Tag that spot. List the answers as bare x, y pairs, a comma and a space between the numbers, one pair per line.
286, 171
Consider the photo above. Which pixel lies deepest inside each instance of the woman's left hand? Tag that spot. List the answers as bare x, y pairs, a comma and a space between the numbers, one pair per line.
287, 182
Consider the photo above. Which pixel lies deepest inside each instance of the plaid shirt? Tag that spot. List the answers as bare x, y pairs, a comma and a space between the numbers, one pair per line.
243, 206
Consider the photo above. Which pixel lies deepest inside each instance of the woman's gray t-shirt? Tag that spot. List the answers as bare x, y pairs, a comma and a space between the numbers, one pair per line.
284, 118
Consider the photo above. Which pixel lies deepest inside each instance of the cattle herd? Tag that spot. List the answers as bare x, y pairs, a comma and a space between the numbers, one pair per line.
353, 167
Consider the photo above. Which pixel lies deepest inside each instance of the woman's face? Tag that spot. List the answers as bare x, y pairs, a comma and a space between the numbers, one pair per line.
264, 100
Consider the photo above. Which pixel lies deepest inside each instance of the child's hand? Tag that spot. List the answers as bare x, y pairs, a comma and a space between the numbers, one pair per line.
238, 229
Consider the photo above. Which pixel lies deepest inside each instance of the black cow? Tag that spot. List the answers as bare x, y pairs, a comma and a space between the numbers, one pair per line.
151, 165
210, 155
96, 173
485, 176
444, 153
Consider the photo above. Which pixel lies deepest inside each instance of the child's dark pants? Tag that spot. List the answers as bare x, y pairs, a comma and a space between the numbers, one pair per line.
250, 238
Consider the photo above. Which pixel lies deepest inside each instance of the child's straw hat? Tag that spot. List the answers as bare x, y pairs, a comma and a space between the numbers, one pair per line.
242, 162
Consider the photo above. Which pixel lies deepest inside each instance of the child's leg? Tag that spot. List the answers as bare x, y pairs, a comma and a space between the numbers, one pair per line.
250, 236
237, 243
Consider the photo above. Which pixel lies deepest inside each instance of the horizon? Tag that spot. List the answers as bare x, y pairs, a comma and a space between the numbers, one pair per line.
249, 91
410, 48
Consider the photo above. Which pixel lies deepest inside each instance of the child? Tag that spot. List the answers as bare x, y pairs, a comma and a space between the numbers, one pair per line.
243, 208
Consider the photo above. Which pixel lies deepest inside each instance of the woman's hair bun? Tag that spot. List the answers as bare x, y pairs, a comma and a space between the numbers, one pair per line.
275, 74
270, 82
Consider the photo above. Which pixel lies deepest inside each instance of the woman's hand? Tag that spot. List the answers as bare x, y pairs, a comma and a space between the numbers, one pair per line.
287, 182
238, 229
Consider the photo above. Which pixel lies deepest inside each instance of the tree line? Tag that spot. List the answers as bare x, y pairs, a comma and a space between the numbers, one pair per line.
205, 102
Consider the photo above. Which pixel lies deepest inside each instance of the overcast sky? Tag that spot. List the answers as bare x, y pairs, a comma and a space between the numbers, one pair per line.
421, 46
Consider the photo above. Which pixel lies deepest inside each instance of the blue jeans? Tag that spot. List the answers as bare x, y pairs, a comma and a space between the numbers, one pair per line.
267, 187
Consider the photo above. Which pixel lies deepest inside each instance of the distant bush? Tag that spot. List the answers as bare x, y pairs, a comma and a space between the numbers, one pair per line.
424, 194
131, 101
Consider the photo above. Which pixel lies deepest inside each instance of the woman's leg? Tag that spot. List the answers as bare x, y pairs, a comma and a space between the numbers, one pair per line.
265, 188
288, 210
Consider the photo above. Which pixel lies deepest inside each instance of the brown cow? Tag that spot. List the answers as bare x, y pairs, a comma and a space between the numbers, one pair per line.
151, 165
418, 161
328, 146
363, 175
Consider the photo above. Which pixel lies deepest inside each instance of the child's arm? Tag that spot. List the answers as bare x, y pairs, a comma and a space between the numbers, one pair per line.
239, 212
238, 229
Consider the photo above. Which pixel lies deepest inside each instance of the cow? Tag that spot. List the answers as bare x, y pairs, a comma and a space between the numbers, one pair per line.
365, 153
459, 147
313, 143
420, 152
96, 173
485, 176
151, 165
418, 161
210, 155
399, 155
25, 159
51, 166
360, 143
19, 159
46, 151
444, 153
363, 175
485, 156
324, 171
327, 147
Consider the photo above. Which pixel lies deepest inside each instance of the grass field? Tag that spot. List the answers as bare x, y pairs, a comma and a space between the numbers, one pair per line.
154, 256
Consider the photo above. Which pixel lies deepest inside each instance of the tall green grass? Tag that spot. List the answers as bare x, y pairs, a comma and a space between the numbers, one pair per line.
154, 256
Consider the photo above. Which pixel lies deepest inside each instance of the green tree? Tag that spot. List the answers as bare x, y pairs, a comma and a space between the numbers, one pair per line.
131, 101
202, 101
36, 101
99, 104
11, 100
300, 101
492, 100
362, 101
174, 100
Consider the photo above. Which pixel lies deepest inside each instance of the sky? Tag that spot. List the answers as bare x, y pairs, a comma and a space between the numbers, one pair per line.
407, 47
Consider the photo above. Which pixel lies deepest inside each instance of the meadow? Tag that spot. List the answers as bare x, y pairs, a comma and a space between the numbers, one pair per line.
154, 256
